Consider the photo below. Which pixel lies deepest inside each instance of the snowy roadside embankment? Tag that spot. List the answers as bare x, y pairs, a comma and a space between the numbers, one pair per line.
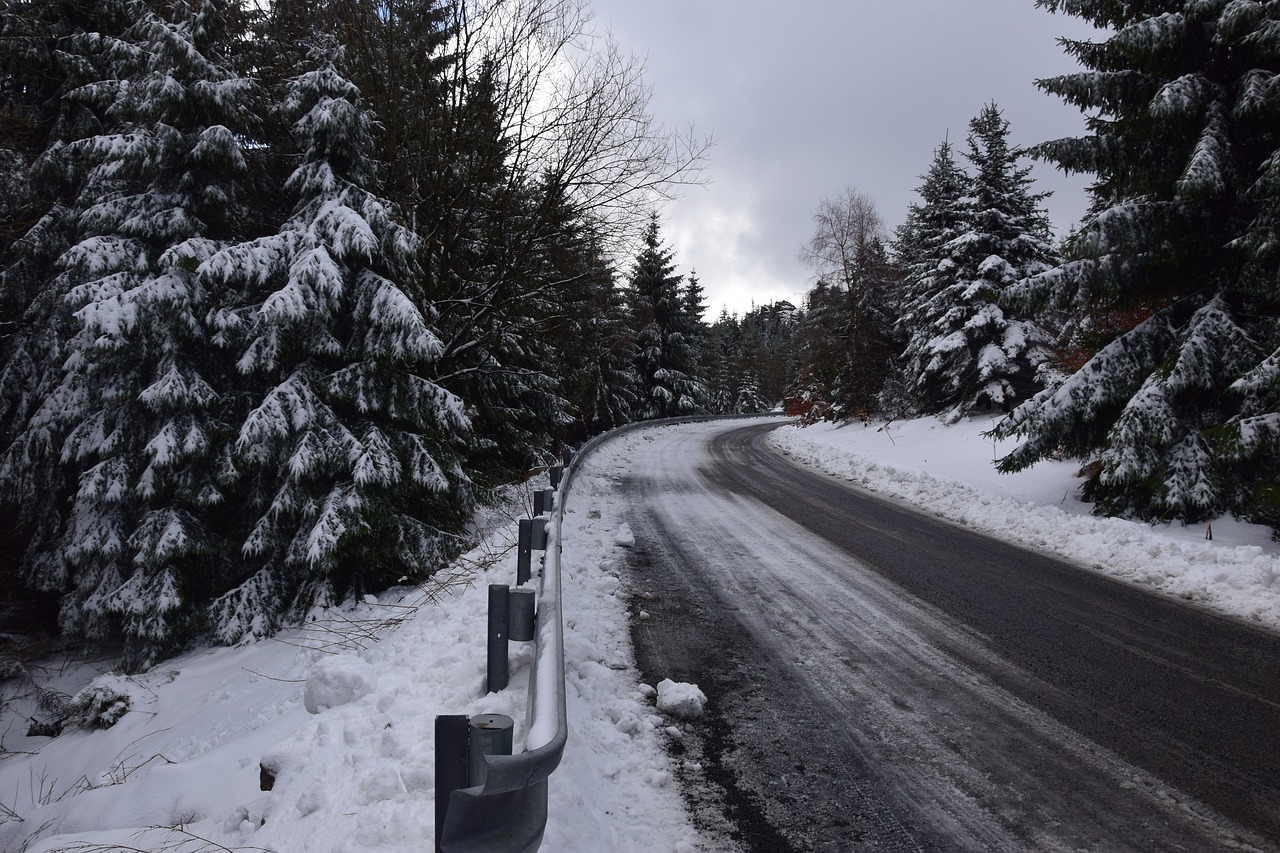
343, 712
948, 471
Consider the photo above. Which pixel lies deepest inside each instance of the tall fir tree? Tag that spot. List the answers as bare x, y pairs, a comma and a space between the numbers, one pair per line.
697, 332
666, 360
597, 356
965, 352
921, 246
50, 55
1181, 407
139, 413
934, 221
921, 243
725, 349
49, 52
510, 263
347, 459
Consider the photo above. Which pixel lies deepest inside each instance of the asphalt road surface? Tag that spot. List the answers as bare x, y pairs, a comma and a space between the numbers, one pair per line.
882, 680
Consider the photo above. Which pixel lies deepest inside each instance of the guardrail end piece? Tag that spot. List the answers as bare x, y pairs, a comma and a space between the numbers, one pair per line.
451, 765
512, 822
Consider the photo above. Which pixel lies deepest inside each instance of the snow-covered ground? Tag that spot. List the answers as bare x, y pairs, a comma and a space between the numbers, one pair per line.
948, 471
180, 770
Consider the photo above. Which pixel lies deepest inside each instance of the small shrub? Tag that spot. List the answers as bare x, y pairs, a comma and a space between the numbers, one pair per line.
101, 704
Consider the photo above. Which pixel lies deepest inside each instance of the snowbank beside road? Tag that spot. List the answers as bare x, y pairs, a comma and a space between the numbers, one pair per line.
949, 471
342, 714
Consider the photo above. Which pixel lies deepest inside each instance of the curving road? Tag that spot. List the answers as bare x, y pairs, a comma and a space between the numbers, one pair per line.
882, 680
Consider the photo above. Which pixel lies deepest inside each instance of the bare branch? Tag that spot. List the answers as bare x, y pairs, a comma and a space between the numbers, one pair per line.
846, 228
576, 110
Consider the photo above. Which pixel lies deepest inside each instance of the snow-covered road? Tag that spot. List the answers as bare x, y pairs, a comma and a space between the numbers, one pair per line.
848, 713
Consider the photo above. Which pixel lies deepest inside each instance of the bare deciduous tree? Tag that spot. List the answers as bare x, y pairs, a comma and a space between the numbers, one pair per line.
847, 233
575, 109
859, 293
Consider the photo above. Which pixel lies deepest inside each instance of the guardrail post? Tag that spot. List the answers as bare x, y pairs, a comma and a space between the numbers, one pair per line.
544, 500
491, 734
524, 552
520, 626
451, 764
499, 616
554, 473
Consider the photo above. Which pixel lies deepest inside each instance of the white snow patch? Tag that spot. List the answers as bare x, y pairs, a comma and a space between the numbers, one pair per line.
336, 681
359, 775
680, 699
950, 471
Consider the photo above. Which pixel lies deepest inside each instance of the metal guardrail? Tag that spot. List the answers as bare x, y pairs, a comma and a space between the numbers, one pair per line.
508, 812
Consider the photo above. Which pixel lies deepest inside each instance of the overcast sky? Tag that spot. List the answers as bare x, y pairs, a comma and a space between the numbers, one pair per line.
804, 98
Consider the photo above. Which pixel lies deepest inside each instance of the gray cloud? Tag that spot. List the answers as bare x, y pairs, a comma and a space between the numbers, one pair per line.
808, 97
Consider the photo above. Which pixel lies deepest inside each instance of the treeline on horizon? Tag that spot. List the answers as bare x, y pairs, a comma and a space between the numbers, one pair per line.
286, 291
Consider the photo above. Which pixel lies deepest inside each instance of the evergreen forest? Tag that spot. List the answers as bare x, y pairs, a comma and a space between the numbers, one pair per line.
288, 290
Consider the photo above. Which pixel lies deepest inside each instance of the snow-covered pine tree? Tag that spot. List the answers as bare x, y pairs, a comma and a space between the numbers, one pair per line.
921, 247
665, 361
725, 350
47, 53
1181, 407
597, 357
965, 351
819, 341
750, 401
922, 250
138, 414
347, 460
697, 334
